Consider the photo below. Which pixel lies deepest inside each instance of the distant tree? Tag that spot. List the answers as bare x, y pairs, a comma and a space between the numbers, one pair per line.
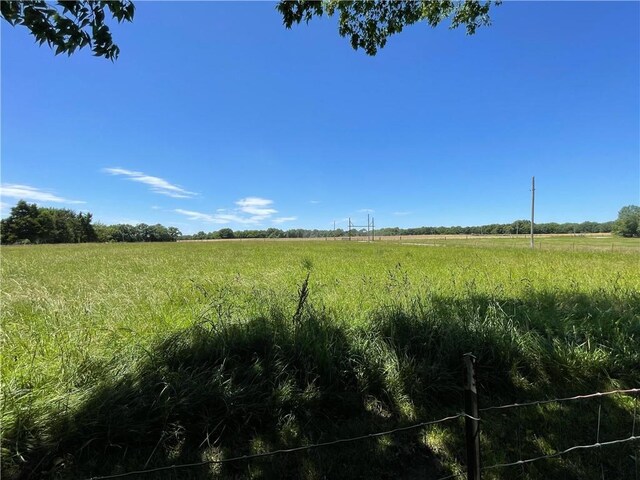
50, 229
29, 223
158, 233
142, 233
226, 233
589, 227
84, 229
274, 233
294, 233
22, 223
628, 223
605, 227
59, 226
46, 225
123, 232
70, 25
104, 233
551, 227
173, 233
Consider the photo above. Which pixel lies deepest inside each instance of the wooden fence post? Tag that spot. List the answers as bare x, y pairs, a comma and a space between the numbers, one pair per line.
472, 427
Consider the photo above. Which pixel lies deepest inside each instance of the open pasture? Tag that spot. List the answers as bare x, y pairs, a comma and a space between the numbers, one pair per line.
601, 242
117, 357
592, 242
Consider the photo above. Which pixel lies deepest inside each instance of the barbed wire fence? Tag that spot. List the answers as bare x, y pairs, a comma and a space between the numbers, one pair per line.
472, 419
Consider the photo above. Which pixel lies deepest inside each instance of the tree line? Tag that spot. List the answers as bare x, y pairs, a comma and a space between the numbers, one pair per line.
518, 227
514, 228
627, 225
29, 223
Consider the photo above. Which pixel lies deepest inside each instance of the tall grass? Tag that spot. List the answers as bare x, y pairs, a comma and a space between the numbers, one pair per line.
119, 357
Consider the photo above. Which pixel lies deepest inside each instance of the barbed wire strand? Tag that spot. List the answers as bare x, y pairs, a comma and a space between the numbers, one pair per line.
557, 454
557, 400
286, 450
400, 429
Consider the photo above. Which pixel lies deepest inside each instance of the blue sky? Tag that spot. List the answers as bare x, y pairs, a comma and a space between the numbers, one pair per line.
217, 116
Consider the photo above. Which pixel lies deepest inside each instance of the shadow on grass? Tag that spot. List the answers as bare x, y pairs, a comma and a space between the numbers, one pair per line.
224, 388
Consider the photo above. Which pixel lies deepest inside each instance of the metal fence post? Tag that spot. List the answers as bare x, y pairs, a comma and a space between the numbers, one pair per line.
472, 427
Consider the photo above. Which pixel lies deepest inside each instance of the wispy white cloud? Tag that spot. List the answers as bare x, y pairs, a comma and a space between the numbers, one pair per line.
233, 218
249, 211
205, 217
366, 210
156, 184
314, 202
401, 213
256, 206
284, 219
219, 218
25, 192
254, 202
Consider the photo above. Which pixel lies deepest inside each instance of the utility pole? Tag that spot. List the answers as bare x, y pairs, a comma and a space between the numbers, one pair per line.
533, 201
334, 229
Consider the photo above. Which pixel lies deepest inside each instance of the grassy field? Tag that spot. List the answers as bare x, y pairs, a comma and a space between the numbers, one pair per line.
576, 243
120, 357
